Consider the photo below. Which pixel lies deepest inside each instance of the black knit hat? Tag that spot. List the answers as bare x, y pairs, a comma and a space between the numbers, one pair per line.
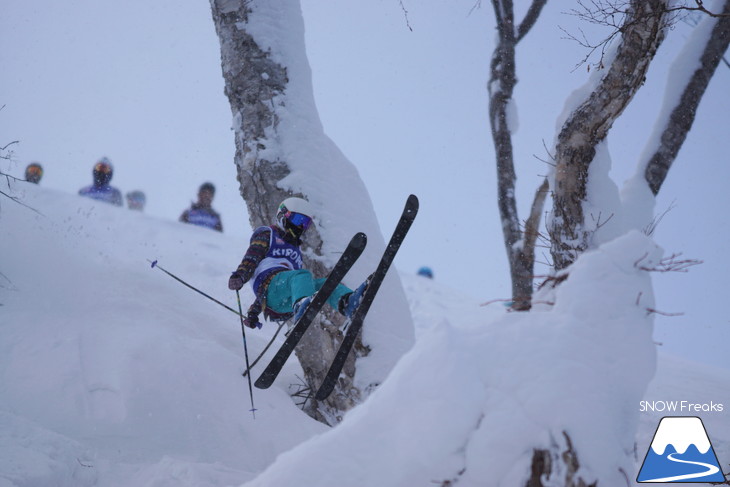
207, 187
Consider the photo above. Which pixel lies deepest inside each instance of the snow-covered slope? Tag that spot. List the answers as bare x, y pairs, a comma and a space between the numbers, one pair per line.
113, 374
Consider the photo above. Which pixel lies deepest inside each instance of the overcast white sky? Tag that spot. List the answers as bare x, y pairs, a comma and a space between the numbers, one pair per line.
140, 82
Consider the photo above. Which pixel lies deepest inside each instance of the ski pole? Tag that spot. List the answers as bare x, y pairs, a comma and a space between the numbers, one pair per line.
245, 351
154, 265
253, 364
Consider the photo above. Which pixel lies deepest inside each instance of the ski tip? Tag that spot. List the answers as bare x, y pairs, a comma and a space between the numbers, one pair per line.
412, 201
154, 263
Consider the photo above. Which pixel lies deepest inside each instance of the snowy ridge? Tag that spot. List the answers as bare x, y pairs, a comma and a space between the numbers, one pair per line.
114, 375
110, 367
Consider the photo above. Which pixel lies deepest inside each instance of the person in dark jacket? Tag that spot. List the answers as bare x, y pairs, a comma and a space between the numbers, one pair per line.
101, 190
202, 213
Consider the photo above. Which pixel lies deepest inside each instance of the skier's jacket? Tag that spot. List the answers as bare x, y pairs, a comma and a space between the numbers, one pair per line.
271, 251
104, 193
204, 216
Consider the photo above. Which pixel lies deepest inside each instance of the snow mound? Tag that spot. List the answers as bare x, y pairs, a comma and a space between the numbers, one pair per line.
113, 374
471, 402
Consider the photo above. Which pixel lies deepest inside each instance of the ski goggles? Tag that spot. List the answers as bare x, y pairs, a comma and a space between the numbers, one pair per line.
103, 168
35, 171
299, 220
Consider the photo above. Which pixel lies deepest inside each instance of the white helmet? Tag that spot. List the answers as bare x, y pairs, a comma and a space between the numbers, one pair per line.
294, 216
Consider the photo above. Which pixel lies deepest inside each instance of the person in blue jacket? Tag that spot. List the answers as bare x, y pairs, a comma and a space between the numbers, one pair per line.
273, 264
202, 213
101, 190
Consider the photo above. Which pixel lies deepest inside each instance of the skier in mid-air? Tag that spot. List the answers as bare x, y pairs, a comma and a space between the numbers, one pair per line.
273, 263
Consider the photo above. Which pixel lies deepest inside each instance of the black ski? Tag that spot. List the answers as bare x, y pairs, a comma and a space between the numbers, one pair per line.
348, 258
356, 322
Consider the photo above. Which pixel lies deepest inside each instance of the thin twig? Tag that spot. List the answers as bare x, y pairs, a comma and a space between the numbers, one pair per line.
668, 264
17, 200
405, 14
9, 144
487, 303
663, 313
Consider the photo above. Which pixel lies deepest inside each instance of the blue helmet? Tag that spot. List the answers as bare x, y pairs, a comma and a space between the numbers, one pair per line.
425, 272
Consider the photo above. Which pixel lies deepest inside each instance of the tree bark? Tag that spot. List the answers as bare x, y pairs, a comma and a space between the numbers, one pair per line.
501, 87
683, 115
551, 463
253, 82
255, 85
588, 125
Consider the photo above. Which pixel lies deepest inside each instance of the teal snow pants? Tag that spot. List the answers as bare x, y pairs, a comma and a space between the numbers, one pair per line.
288, 287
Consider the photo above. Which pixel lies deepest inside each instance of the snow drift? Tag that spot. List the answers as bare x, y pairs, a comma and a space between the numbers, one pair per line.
112, 374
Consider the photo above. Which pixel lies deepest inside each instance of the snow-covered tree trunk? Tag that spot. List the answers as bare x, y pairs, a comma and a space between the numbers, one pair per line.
587, 126
520, 253
281, 150
682, 114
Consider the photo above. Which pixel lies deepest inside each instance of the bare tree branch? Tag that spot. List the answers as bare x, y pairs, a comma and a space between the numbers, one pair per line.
667, 264
5, 147
650, 228
700, 7
18, 201
520, 246
530, 18
405, 14
663, 313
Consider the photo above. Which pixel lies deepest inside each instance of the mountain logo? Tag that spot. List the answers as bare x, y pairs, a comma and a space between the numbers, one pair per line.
680, 452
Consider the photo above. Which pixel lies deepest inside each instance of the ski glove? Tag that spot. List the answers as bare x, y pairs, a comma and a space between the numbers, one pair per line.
252, 321
235, 282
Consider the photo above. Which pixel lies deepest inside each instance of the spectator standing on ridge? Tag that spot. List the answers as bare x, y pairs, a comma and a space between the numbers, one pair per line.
202, 213
136, 200
34, 173
101, 190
